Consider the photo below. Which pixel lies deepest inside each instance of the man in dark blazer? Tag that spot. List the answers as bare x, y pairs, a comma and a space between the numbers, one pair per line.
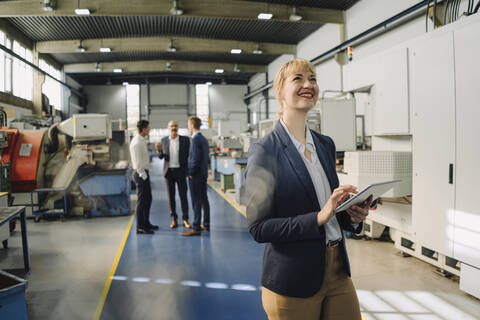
197, 174
174, 150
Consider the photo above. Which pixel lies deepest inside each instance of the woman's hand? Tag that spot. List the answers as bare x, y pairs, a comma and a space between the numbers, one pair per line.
337, 197
359, 213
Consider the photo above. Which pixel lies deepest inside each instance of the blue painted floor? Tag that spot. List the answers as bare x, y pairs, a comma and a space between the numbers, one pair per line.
167, 276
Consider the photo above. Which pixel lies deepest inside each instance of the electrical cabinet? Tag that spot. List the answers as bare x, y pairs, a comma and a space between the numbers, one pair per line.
445, 80
433, 103
466, 246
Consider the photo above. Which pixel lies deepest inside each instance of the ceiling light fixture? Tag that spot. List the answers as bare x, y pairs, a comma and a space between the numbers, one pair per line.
82, 12
48, 5
208, 83
175, 11
168, 66
97, 67
219, 70
124, 83
294, 16
171, 48
265, 16
80, 48
257, 50
105, 50
117, 70
236, 51
235, 68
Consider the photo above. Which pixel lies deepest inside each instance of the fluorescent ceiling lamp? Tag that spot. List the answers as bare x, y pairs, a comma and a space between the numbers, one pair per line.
83, 12
117, 70
208, 83
236, 51
105, 49
219, 70
124, 83
265, 16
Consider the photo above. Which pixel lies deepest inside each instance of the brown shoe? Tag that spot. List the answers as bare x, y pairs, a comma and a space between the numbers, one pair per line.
186, 224
191, 232
204, 228
173, 224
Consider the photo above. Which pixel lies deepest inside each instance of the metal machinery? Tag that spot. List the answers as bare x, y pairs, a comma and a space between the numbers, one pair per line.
77, 166
366, 167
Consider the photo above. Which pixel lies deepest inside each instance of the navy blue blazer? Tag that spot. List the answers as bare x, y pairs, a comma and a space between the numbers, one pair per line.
183, 149
198, 157
282, 209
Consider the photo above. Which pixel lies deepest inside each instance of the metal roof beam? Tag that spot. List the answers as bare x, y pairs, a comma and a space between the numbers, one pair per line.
181, 44
233, 9
162, 66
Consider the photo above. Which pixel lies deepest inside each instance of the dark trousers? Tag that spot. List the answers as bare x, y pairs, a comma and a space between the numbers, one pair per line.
178, 177
144, 200
198, 193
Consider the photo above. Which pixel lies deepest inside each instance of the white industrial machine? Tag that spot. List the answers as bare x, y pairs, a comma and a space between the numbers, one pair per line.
77, 165
338, 122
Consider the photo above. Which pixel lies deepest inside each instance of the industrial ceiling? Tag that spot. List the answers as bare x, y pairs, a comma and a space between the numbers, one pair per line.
166, 40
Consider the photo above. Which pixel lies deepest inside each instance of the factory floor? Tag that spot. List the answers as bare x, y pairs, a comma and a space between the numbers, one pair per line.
96, 268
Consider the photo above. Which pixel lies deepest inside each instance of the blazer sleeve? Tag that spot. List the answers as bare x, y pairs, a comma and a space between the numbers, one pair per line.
194, 158
162, 154
343, 217
262, 221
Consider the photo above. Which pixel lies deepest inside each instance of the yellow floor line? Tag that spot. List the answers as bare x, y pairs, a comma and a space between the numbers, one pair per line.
101, 303
243, 214
226, 199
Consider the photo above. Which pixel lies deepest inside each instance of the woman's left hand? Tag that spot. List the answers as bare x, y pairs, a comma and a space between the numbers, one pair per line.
359, 213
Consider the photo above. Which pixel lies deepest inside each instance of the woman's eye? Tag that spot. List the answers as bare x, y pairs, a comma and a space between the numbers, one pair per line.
313, 80
297, 78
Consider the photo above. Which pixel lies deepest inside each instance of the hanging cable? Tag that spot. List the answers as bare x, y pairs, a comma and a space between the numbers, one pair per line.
477, 7
426, 16
445, 12
434, 14
458, 10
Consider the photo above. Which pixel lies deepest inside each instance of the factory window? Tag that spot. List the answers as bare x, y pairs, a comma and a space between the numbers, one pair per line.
51, 88
22, 73
202, 104
2, 62
8, 67
133, 106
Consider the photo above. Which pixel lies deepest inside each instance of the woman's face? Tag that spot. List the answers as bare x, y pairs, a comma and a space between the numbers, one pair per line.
300, 91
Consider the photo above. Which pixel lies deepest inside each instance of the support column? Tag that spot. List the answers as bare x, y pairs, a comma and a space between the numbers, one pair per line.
38, 80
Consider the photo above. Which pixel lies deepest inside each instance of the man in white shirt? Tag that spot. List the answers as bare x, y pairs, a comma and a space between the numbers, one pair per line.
174, 150
141, 167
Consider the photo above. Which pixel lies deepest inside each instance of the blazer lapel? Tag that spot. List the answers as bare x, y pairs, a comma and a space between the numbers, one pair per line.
321, 153
166, 146
297, 164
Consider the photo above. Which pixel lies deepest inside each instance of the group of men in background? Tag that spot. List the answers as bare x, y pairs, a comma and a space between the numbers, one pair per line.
182, 158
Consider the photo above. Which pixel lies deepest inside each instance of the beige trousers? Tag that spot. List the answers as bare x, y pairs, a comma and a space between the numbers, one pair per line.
336, 300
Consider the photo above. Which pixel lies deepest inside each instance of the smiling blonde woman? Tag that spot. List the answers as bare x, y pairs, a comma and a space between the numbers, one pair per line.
292, 192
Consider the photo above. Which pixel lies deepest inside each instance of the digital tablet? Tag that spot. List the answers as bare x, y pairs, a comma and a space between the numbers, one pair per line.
376, 189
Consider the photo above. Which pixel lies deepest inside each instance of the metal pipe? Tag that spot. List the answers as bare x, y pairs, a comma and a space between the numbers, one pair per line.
348, 42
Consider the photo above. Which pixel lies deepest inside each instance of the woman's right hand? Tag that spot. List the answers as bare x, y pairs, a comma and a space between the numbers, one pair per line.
337, 197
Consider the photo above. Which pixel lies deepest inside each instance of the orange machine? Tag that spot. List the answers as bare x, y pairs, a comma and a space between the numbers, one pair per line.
23, 152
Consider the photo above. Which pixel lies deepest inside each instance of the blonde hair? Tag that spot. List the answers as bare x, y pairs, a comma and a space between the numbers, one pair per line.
282, 74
